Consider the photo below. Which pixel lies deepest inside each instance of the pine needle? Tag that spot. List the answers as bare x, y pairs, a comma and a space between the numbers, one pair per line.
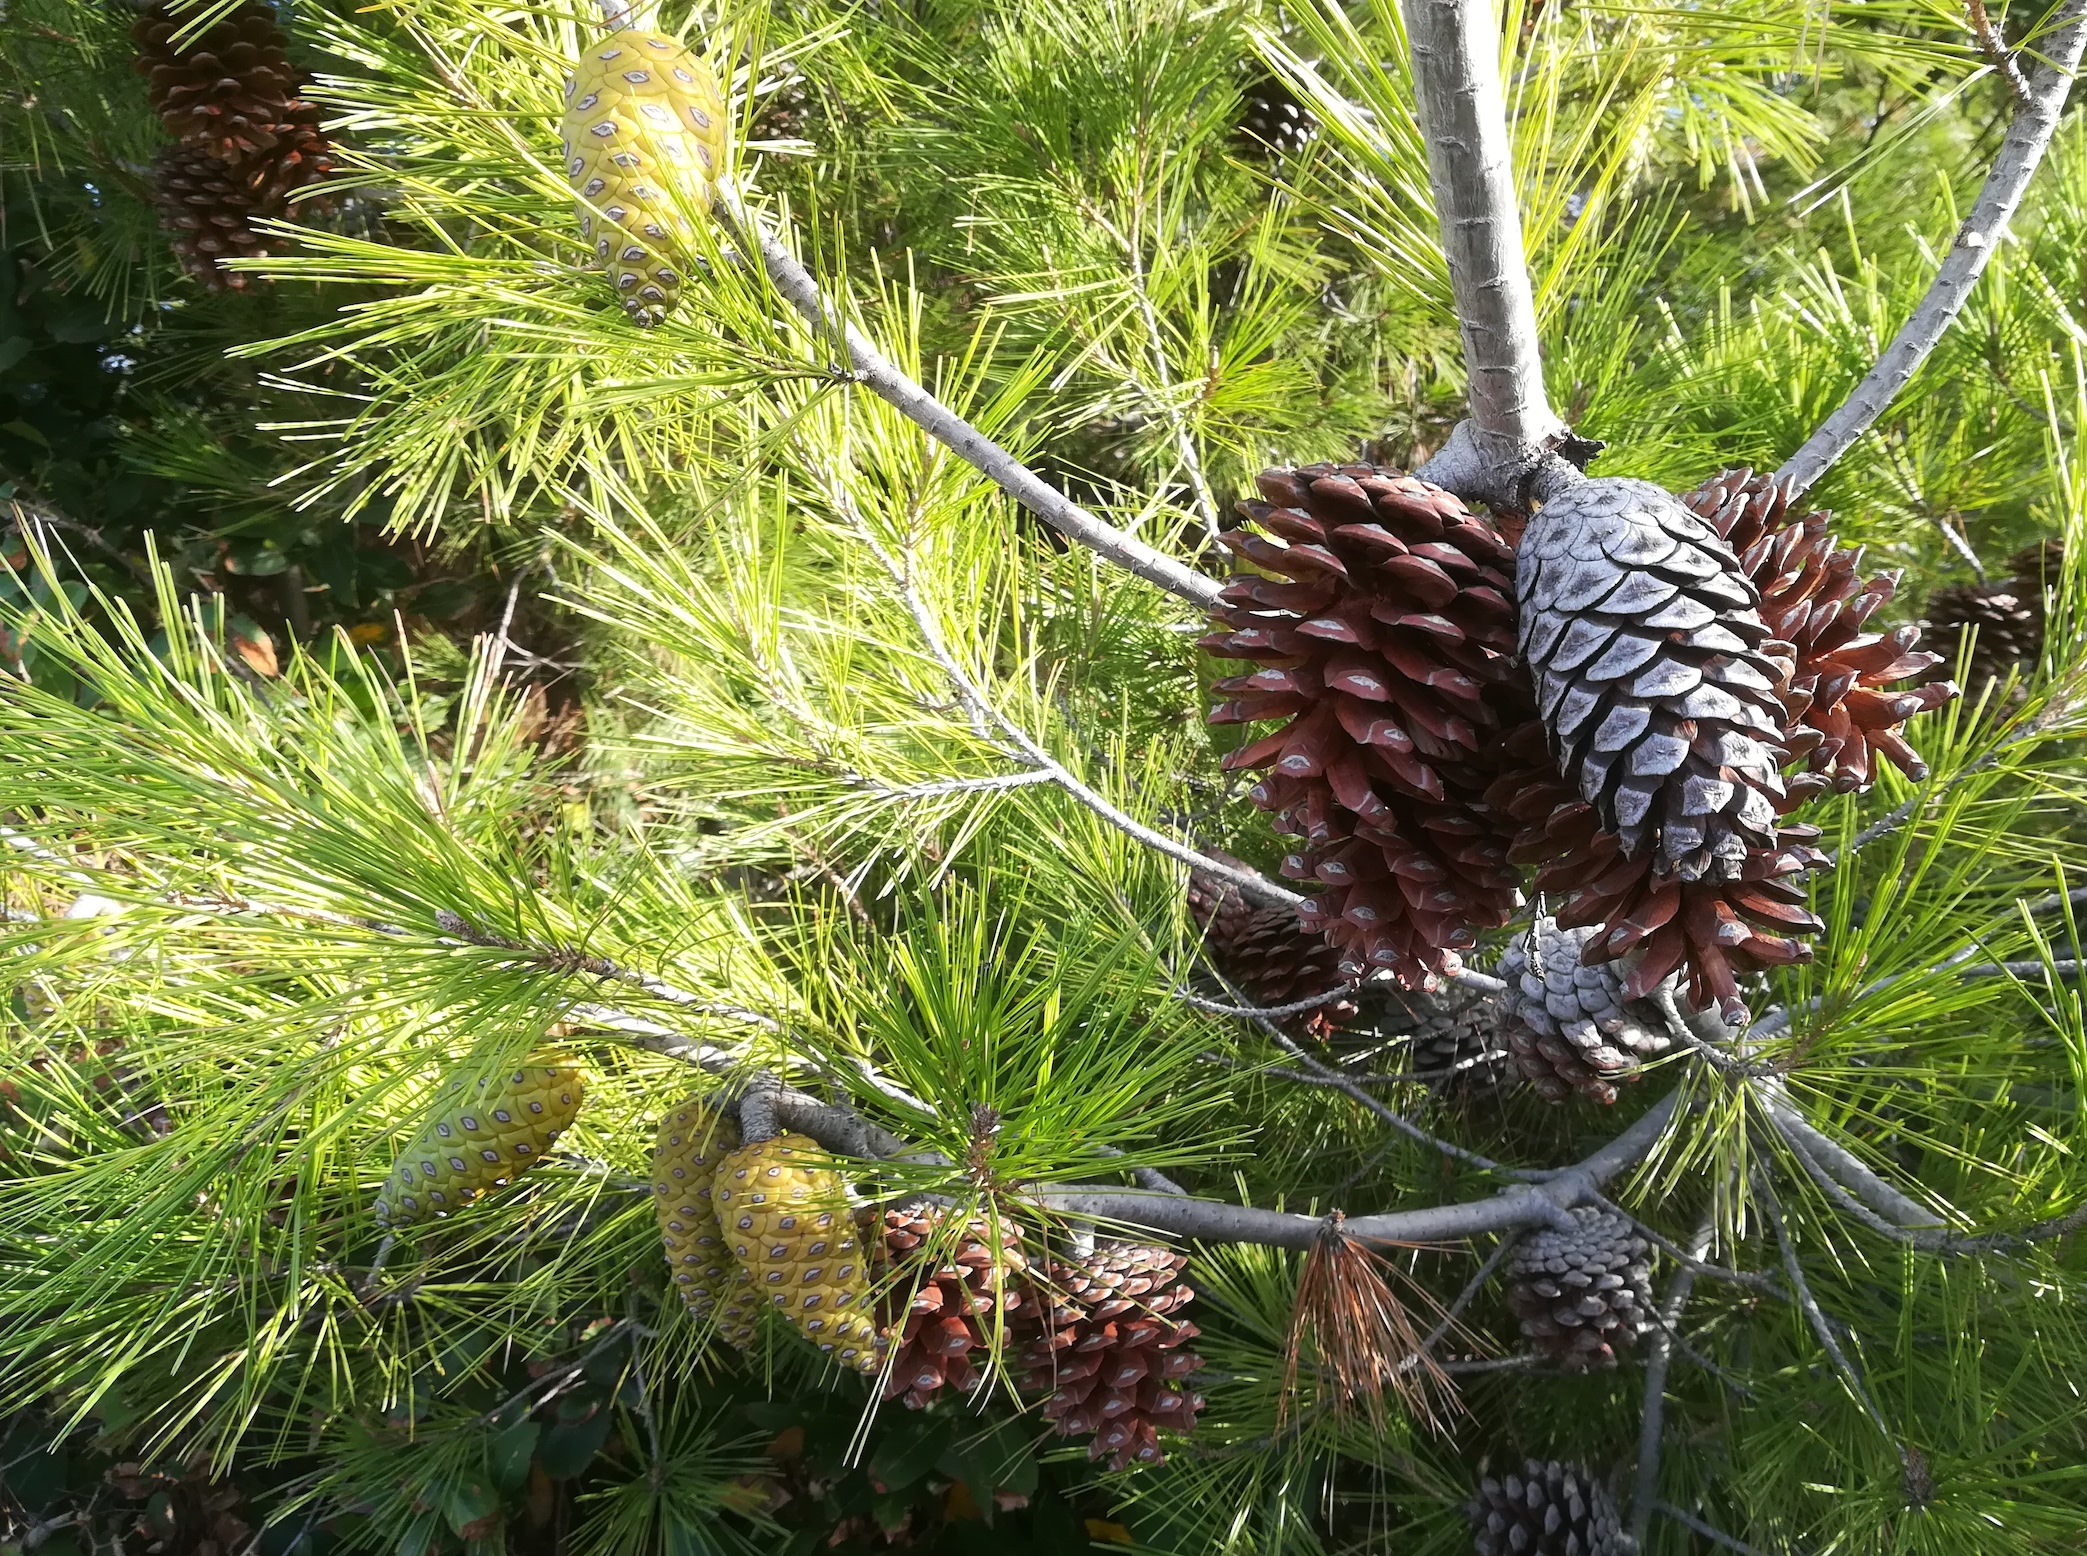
1364, 1340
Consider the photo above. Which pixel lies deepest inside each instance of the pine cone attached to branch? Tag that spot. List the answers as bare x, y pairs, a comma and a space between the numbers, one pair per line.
1110, 1357
1386, 642
1571, 1027
1582, 1293
1263, 952
2008, 616
229, 91
247, 141
1550, 1509
1656, 677
1451, 1035
942, 1305
1845, 704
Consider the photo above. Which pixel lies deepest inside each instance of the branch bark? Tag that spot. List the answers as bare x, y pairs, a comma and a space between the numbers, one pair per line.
1463, 118
1651, 1424
1513, 434
2028, 135
876, 372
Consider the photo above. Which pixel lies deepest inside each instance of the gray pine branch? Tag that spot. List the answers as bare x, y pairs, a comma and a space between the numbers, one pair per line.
2029, 134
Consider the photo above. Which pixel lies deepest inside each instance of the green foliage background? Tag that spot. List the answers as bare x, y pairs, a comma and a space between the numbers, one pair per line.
714, 744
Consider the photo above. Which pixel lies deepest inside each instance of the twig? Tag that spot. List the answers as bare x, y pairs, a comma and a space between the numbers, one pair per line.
1464, 1298
1262, 1012
1651, 1423
2028, 135
2018, 969
1339, 1082
1688, 1261
1835, 1159
1713, 1535
1809, 1306
871, 368
1249, 882
1996, 51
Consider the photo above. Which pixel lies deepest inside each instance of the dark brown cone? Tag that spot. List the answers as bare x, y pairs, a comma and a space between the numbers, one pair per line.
1550, 1509
2008, 616
1263, 952
1386, 640
1656, 678
1582, 1293
230, 91
939, 1310
1272, 122
208, 213
1843, 711
1451, 1034
247, 141
1110, 1355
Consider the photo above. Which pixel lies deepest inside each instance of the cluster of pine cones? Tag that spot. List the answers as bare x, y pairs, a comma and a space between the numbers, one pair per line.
1631, 695
246, 142
1095, 1337
906, 1292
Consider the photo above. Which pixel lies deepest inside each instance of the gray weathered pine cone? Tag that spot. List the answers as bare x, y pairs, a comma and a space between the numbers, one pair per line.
1550, 1509
1452, 1035
1569, 1026
1656, 677
1581, 1293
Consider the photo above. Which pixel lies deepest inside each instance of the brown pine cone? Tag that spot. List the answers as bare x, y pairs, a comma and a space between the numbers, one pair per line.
1840, 703
2008, 615
1713, 930
1110, 1356
208, 212
247, 141
1267, 955
1451, 1035
1550, 1509
1388, 655
939, 1310
231, 90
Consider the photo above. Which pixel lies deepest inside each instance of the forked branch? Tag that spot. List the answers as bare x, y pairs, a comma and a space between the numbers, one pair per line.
2028, 136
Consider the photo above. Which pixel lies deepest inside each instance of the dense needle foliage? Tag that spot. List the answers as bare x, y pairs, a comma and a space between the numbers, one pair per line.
412, 665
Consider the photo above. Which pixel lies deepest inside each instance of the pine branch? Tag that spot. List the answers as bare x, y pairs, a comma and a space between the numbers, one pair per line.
1809, 1306
876, 372
1024, 746
1511, 449
2028, 136
1463, 119
1997, 53
1715, 1536
1652, 1421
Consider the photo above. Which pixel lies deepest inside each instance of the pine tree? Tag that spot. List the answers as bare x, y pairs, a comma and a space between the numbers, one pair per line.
1547, 1026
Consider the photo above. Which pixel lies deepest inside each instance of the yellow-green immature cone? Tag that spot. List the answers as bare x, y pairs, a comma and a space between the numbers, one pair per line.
693, 1139
480, 1139
644, 139
788, 1222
